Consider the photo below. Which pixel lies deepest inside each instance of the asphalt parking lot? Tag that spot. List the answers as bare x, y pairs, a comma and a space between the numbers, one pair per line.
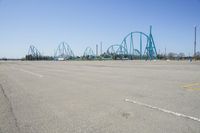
99, 97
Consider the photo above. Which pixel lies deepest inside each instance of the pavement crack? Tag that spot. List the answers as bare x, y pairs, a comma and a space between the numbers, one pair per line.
10, 108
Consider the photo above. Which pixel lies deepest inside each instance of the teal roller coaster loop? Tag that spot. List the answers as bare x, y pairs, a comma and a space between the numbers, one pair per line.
33, 51
88, 52
128, 42
117, 49
63, 51
128, 45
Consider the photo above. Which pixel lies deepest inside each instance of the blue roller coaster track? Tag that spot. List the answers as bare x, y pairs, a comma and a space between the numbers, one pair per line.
33, 51
63, 51
135, 45
128, 46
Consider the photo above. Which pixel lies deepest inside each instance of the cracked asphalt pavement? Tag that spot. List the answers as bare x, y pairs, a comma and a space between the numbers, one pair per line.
89, 96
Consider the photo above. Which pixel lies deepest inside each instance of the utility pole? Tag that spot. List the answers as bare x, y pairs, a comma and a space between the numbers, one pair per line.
165, 54
101, 48
195, 40
97, 50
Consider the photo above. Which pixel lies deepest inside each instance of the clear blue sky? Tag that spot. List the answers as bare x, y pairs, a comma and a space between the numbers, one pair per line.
82, 23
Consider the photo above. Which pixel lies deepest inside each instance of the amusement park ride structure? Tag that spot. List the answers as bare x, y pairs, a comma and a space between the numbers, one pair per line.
33, 51
63, 52
135, 45
88, 53
127, 48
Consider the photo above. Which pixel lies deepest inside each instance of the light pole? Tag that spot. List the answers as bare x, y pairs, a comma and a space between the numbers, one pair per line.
195, 39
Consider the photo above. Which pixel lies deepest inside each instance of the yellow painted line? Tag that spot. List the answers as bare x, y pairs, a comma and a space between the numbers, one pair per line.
195, 89
191, 85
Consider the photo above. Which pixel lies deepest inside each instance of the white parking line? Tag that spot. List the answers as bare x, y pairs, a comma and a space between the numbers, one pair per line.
32, 73
29, 72
163, 110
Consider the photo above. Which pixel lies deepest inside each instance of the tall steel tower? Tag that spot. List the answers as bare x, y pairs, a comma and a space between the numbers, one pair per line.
97, 50
195, 40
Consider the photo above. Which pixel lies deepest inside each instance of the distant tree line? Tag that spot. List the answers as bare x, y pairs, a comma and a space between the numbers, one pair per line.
31, 57
175, 56
105, 56
122, 56
172, 56
13, 59
197, 57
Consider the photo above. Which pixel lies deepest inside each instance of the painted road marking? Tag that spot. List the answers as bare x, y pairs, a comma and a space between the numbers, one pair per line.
29, 72
163, 110
32, 73
192, 86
